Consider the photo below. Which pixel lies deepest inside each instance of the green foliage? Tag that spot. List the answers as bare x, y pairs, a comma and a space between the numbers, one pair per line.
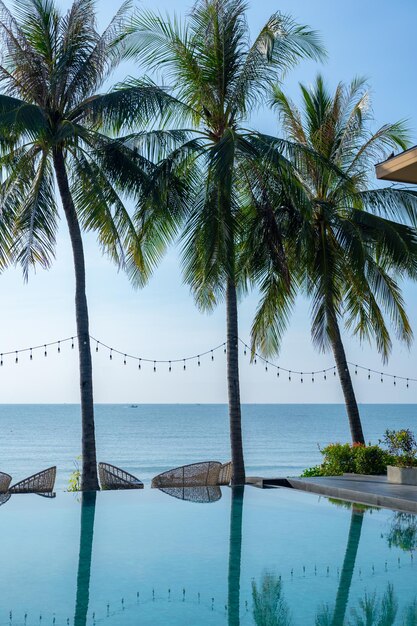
269, 605
74, 481
344, 458
403, 532
370, 460
338, 459
401, 444
310, 472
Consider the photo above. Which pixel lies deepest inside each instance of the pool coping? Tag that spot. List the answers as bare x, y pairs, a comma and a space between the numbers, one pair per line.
368, 490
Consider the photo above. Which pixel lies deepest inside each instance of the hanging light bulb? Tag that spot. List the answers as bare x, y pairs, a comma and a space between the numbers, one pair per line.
59, 347
212, 356
224, 348
302, 380
31, 355
382, 379
356, 369
170, 367
45, 353
278, 372
199, 361
369, 374
395, 382
111, 354
97, 346
1, 359
312, 377
289, 376
72, 343
407, 383
325, 377
266, 366
17, 357
154, 366
140, 366
184, 366
244, 351
124, 360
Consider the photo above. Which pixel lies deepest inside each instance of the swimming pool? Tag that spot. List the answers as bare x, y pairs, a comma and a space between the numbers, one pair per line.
265, 557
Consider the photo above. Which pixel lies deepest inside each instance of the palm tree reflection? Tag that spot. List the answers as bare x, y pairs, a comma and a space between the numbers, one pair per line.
88, 509
235, 555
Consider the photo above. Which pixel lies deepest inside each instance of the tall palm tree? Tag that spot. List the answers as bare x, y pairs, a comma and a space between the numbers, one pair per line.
347, 252
219, 78
54, 122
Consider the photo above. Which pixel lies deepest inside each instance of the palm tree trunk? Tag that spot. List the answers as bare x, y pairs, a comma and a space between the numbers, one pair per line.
88, 508
235, 417
348, 567
235, 555
347, 386
89, 481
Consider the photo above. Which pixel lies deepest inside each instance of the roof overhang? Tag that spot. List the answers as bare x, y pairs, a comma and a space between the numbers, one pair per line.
401, 168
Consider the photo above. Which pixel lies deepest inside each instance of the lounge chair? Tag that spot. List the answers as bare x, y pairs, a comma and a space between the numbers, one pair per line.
5, 481
225, 475
112, 477
195, 475
201, 495
42, 482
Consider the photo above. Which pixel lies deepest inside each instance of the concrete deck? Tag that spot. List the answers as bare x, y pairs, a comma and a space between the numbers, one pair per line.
371, 490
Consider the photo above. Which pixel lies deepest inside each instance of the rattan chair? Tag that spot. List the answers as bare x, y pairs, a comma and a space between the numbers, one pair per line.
112, 477
42, 482
200, 495
5, 480
194, 475
225, 475
4, 497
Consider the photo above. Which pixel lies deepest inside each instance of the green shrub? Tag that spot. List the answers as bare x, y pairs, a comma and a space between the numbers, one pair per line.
370, 460
344, 458
316, 470
402, 445
338, 459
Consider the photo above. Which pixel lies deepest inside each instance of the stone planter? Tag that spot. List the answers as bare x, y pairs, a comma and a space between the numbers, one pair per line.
402, 475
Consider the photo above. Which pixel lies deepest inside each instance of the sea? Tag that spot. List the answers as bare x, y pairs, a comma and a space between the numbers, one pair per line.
146, 439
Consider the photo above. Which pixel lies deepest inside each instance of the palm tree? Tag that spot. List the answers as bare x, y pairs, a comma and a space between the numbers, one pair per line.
347, 252
218, 78
54, 121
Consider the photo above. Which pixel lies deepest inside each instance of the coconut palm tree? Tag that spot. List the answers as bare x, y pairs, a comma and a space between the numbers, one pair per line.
348, 253
220, 78
56, 125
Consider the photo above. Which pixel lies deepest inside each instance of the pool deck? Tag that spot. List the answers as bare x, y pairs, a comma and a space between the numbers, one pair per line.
370, 490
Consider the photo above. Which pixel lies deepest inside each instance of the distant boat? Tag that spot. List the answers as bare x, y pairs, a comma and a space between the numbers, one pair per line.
134, 406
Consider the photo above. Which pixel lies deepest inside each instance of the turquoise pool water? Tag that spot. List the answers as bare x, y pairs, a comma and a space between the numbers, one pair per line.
272, 558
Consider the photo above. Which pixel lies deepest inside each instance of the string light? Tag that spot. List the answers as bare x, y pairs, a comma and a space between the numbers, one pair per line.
198, 358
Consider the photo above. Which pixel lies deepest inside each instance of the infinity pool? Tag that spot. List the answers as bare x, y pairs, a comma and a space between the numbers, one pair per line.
272, 558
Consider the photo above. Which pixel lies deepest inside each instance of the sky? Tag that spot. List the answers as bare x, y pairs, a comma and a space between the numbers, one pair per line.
371, 39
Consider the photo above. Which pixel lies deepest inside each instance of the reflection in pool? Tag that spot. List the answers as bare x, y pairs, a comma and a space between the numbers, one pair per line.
251, 557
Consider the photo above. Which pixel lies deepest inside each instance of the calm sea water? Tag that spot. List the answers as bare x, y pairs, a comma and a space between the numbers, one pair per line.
148, 439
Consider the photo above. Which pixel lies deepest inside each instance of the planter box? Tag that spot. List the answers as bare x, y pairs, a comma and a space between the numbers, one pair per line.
402, 475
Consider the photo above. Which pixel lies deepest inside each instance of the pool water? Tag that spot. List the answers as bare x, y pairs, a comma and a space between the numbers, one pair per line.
232, 557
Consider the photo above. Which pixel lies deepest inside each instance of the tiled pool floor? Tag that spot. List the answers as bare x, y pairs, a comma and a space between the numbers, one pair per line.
254, 557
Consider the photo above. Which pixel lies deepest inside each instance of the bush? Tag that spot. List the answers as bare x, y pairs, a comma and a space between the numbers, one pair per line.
370, 460
401, 444
344, 458
338, 459
310, 472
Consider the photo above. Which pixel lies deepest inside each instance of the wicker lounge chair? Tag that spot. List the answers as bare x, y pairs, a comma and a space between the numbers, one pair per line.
112, 477
42, 482
225, 475
5, 481
194, 475
201, 495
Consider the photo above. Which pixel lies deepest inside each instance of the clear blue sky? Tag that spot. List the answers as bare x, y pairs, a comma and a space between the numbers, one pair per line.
373, 38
